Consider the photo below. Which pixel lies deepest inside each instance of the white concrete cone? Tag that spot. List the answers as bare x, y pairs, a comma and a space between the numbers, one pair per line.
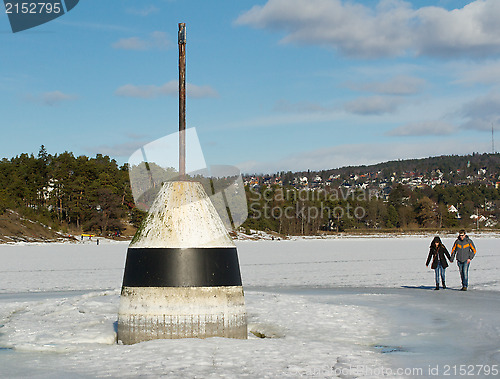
182, 276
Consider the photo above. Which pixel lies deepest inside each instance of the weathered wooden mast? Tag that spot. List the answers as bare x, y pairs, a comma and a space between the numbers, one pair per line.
182, 101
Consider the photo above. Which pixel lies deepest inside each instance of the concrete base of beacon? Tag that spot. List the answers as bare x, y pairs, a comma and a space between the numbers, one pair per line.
148, 313
182, 276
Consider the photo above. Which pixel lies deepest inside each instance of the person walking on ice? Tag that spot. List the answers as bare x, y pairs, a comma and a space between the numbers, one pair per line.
464, 250
438, 253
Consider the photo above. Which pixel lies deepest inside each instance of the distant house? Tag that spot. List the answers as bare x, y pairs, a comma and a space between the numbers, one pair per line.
453, 209
480, 217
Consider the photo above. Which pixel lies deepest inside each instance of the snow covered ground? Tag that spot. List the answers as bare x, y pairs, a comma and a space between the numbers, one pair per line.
349, 307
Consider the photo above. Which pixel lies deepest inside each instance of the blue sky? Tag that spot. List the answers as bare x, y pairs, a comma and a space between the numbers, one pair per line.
272, 85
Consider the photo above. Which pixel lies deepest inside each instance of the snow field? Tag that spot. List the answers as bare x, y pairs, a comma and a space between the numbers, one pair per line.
354, 307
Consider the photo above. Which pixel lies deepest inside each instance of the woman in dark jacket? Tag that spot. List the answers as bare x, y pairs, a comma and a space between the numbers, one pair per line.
438, 253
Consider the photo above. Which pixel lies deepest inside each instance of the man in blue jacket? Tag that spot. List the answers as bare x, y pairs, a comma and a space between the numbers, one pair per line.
464, 250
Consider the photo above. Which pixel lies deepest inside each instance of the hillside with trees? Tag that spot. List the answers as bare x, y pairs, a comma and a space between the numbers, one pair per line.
446, 192
69, 193
79, 194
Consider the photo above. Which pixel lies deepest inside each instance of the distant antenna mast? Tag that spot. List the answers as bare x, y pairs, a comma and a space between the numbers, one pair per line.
182, 101
492, 140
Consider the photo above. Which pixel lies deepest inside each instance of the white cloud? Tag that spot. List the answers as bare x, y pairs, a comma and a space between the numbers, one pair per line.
148, 91
121, 150
401, 85
482, 113
373, 105
479, 114
482, 124
132, 43
486, 73
51, 98
392, 28
95, 26
425, 128
252, 167
299, 107
199, 92
156, 40
168, 89
146, 11
483, 106
470, 31
352, 28
285, 120
363, 154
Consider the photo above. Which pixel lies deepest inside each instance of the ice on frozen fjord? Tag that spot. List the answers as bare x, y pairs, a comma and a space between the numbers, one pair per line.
332, 306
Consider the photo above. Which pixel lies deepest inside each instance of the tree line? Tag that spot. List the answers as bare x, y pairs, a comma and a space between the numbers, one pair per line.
288, 210
78, 193
68, 192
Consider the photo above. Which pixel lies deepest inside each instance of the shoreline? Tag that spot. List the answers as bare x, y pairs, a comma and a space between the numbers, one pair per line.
260, 236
